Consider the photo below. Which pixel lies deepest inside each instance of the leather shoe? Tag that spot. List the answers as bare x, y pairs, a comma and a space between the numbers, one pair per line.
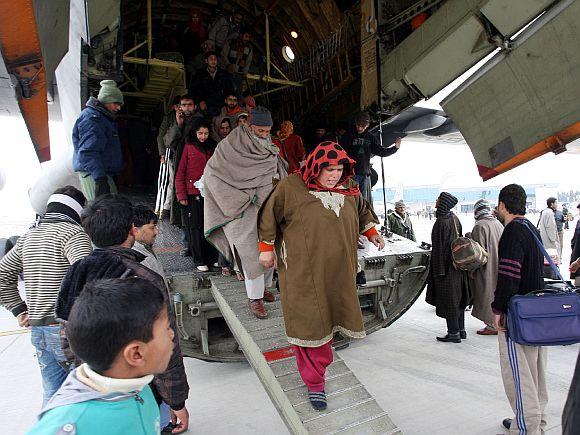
257, 308
450, 338
269, 296
463, 334
507, 423
487, 331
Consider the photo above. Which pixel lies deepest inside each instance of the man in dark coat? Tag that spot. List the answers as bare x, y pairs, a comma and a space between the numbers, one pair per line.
109, 223
361, 145
211, 85
448, 288
97, 153
186, 119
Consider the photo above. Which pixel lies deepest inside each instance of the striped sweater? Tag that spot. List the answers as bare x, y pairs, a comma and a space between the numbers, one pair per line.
43, 255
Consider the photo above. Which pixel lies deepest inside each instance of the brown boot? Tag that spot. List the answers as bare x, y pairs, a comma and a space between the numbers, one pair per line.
257, 308
269, 296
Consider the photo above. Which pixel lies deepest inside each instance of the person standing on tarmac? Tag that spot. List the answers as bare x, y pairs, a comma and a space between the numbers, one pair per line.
400, 223
520, 267
547, 226
43, 255
448, 289
487, 232
361, 145
97, 155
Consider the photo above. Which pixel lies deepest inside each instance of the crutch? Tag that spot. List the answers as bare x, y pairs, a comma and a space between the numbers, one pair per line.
162, 181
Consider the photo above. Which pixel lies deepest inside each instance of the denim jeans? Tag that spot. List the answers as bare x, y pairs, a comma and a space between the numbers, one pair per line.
49, 353
364, 185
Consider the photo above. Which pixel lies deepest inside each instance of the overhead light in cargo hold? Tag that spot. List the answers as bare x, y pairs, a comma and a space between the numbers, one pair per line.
294, 34
288, 54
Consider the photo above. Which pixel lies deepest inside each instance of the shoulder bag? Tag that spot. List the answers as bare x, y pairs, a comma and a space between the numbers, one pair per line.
547, 317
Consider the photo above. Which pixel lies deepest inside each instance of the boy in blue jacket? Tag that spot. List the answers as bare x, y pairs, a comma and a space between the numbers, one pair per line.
120, 328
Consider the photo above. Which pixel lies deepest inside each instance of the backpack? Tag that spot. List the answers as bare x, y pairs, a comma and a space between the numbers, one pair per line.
467, 254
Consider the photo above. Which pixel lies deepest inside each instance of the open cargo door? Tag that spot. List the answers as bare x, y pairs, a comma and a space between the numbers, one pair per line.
524, 102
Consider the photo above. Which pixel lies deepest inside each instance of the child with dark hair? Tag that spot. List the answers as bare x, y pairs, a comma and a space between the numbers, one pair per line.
145, 221
120, 328
109, 221
197, 151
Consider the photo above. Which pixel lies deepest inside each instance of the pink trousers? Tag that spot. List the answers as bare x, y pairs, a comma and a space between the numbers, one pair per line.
312, 363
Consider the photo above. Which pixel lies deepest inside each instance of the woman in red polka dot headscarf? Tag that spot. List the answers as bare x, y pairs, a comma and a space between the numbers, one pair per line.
309, 227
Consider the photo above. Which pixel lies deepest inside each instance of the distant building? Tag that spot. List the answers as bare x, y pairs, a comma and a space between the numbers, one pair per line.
423, 197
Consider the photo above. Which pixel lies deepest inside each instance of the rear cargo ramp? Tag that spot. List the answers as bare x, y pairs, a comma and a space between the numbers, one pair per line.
351, 409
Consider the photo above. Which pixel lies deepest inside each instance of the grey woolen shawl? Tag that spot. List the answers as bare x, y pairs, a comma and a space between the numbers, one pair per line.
239, 174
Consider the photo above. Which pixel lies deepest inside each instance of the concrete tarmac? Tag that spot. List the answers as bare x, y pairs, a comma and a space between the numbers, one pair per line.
427, 387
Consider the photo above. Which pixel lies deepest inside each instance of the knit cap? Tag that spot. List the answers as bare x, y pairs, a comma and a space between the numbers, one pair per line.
109, 92
481, 209
70, 204
400, 203
447, 201
261, 117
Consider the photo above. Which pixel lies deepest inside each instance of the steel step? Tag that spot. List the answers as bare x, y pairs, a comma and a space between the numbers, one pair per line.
351, 408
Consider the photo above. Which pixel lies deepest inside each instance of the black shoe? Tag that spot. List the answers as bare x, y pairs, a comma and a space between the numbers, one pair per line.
507, 423
450, 338
463, 334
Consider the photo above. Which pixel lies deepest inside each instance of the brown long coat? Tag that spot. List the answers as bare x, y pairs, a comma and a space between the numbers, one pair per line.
487, 231
448, 288
315, 236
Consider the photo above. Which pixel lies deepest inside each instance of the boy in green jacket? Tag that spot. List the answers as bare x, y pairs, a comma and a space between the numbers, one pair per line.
120, 329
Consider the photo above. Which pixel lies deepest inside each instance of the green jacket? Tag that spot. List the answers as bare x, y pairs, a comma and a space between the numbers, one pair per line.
402, 227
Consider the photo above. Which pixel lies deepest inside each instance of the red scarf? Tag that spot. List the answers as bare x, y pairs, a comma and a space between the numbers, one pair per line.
328, 154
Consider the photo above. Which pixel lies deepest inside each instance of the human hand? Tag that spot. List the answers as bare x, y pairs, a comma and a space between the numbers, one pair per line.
267, 259
183, 202
23, 320
162, 159
179, 117
102, 187
499, 322
180, 420
377, 240
398, 143
574, 266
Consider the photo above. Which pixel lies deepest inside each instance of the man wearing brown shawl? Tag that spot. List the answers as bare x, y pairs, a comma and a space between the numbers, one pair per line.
238, 179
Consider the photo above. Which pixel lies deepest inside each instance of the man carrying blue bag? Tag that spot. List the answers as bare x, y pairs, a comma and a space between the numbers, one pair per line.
523, 368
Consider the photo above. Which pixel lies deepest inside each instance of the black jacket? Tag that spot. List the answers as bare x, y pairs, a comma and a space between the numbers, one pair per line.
118, 262
212, 90
361, 147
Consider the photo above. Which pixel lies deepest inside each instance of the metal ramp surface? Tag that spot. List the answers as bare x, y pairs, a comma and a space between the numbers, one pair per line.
351, 409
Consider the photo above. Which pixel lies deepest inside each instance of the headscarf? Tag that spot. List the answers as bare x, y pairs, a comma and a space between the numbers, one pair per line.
328, 154
446, 203
482, 209
286, 129
198, 27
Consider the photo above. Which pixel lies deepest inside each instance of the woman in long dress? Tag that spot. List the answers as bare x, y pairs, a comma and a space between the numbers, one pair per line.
310, 224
